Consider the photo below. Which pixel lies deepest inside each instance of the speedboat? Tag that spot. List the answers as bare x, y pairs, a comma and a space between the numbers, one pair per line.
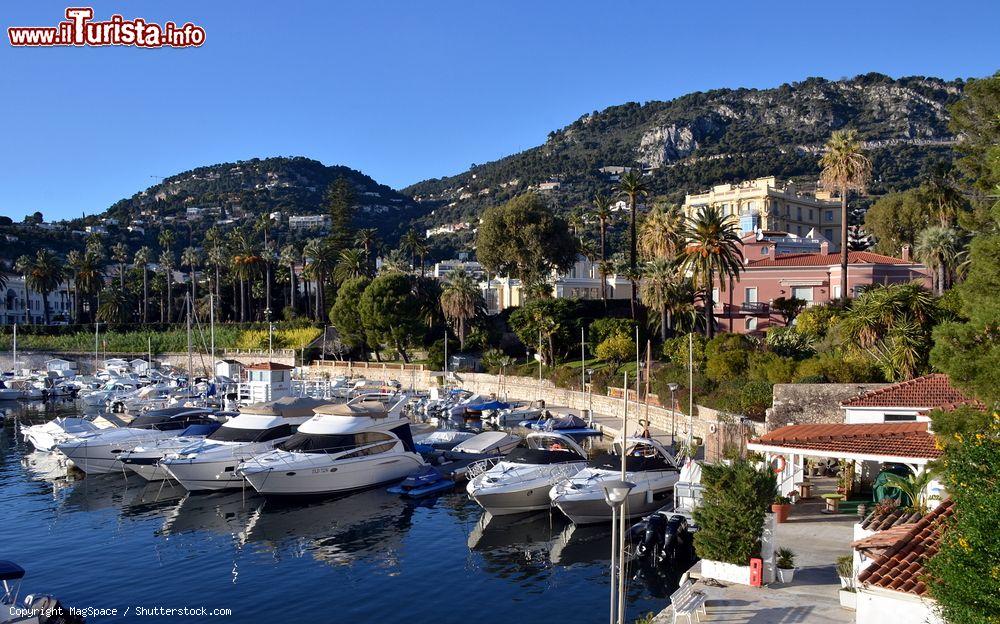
349, 446
144, 460
33, 609
522, 480
648, 464
97, 452
109, 392
210, 464
483, 449
47, 436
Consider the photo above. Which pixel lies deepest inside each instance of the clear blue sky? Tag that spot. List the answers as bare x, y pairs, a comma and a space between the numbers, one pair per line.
407, 90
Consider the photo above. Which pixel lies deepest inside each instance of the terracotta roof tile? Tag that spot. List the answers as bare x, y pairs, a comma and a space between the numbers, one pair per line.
884, 538
876, 521
828, 259
910, 439
270, 366
901, 566
927, 392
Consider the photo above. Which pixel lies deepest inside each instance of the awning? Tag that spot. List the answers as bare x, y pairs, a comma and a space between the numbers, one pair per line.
907, 443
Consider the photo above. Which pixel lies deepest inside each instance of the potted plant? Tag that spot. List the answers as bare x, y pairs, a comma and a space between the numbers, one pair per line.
845, 570
786, 565
781, 507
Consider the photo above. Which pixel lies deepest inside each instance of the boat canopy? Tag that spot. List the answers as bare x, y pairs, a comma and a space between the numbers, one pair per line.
607, 461
201, 429
569, 421
172, 418
490, 405
10, 571
286, 407
485, 442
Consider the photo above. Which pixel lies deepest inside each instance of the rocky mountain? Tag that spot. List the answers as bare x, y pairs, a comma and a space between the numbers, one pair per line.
689, 143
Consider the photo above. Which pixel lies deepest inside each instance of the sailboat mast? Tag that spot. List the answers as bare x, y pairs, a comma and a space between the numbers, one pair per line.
211, 316
190, 357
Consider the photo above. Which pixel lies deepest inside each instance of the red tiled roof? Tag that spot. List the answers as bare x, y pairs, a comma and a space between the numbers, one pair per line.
927, 392
828, 259
910, 439
883, 539
881, 521
901, 566
270, 366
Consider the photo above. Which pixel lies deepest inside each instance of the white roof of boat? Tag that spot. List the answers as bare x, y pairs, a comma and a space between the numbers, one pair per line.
484, 441
286, 407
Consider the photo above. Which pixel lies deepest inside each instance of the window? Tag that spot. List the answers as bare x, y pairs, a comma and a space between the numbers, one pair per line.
750, 294
805, 293
751, 323
715, 296
828, 234
798, 230
829, 215
836, 291
810, 214
798, 213
764, 250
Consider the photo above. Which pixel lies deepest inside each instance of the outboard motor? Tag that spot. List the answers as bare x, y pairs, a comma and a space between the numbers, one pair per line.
50, 611
663, 539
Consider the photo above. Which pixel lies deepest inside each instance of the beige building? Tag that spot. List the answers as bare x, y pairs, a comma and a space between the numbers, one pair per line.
762, 204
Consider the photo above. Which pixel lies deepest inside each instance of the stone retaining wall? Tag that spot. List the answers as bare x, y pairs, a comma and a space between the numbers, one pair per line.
803, 404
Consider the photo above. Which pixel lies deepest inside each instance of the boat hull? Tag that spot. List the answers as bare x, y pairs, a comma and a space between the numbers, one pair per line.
590, 508
313, 478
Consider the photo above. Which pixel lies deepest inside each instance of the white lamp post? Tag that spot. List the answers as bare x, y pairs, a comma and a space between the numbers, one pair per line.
615, 493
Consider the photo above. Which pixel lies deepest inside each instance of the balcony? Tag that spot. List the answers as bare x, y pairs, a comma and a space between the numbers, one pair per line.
754, 308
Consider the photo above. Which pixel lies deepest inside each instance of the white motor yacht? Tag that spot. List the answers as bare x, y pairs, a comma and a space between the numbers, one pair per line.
144, 460
210, 464
522, 480
47, 436
648, 464
351, 446
114, 389
97, 452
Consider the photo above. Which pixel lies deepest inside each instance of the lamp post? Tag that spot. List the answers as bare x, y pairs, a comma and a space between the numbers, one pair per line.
615, 493
590, 394
673, 411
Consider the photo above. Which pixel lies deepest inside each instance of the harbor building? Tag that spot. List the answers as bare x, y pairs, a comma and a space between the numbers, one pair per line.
763, 204
12, 303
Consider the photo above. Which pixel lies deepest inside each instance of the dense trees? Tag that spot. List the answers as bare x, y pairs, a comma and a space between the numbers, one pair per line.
524, 239
390, 313
712, 251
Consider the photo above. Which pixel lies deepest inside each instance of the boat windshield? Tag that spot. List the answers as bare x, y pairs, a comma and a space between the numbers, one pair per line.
371, 442
237, 434
633, 463
541, 456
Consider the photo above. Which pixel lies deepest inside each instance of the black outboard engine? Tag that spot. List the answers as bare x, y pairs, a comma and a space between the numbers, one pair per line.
663, 539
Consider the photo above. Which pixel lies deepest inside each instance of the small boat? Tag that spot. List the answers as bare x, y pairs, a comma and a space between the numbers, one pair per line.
440, 440
34, 608
568, 424
648, 464
47, 436
487, 447
423, 483
521, 481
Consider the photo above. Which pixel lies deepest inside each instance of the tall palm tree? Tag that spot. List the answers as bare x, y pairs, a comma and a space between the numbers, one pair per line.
167, 265
114, 306
938, 247
23, 266
461, 302
142, 257
712, 248
633, 187
845, 169
576, 223
351, 263
288, 258
191, 258
602, 212
367, 238
44, 276
217, 257
321, 257
411, 244
119, 253
166, 238
72, 266
661, 233
941, 188
246, 262
658, 288
89, 278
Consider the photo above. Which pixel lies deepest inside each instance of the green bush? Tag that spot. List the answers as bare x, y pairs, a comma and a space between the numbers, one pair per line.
787, 342
616, 349
743, 397
603, 328
770, 367
494, 360
731, 515
673, 373
816, 321
675, 351
832, 367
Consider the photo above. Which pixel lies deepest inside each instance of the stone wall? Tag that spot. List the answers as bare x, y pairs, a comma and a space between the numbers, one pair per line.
85, 361
801, 404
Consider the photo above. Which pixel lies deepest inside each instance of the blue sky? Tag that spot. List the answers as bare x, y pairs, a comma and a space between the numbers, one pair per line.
406, 90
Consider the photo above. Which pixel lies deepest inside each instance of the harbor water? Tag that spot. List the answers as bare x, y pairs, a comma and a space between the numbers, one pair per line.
111, 542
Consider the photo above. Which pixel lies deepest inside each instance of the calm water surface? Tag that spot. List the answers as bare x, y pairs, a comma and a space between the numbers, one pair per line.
107, 541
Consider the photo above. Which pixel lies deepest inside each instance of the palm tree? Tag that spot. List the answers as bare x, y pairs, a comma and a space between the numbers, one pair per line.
191, 258
939, 247
23, 266
712, 249
142, 257
167, 264
114, 306
246, 263
576, 223
166, 239
633, 187
461, 302
321, 260
89, 278
914, 487
44, 275
288, 258
845, 169
351, 263
367, 238
940, 187
119, 252
73, 259
412, 244
217, 256
658, 288
602, 212
661, 232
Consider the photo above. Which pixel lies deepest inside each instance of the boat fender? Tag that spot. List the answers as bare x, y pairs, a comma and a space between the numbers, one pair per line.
649, 497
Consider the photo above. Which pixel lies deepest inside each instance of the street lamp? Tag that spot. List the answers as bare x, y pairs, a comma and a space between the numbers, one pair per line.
673, 411
615, 493
590, 394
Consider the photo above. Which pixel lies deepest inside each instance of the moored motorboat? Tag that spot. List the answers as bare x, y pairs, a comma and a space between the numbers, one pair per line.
144, 460
45, 437
210, 464
648, 465
351, 446
97, 452
487, 447
521, 481
34, 608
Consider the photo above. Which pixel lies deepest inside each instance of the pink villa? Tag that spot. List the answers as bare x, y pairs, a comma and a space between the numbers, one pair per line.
781, 265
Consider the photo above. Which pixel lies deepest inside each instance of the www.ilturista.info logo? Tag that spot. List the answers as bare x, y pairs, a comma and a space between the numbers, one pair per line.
79, 29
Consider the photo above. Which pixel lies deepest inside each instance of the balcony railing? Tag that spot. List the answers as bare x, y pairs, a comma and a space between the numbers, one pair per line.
754, 307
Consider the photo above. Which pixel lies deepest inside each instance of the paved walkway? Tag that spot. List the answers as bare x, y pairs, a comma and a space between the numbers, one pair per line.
817, 540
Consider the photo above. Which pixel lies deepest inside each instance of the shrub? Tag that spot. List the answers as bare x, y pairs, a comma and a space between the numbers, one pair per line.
673, 373
785, 558
494, 360
727, 365
818, 320
831, 367
435, 353
731, 515
616, 350
746, 398
603, 328
787, 342
770, 367
675, 351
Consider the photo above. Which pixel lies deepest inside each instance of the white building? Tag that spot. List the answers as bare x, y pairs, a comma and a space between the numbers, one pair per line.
12, 298
582, 281
445, 268
308, 222
267, 381
910, 400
